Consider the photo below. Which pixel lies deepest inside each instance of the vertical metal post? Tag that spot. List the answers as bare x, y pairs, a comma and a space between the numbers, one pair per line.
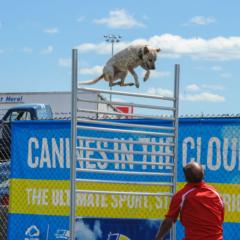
111, 86
73, 143
112, 47
176, 106
176, 112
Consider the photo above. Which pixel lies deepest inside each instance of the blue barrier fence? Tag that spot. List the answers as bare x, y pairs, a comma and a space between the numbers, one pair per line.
39, 194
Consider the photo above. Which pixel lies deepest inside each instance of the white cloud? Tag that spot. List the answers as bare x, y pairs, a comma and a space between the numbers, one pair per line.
51, 30
192, 88
212, 86
101, 48
159, 74
225, 75
203, 97
47, 50
202, 93
201, 20
27, 50
81, 19
83, 231
222, 73
217, 68
160, 91
119, 19
91, 71
219, 48
196, 88
175, 46
64, 62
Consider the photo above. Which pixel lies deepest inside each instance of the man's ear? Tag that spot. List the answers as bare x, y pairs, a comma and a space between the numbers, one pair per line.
158, 50
145, 50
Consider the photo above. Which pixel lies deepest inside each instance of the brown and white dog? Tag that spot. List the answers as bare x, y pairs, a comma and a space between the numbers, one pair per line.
125, 61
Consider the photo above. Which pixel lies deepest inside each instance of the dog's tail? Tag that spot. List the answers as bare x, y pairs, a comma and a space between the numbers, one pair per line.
92, 81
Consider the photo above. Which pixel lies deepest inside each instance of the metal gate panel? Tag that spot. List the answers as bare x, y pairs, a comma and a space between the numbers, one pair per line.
139, 149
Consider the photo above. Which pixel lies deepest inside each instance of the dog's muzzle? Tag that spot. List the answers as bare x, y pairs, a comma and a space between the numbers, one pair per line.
150, 66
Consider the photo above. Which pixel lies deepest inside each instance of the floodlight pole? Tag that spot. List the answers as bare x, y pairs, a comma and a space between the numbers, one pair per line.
112, 39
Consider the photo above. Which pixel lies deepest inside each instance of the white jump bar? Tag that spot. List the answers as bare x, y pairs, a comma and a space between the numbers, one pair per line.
126, 114
126, 162
126, 193
126, 93
121, 124
125, 172
124, 141
115, 103
165, 184
125, 152
113, 130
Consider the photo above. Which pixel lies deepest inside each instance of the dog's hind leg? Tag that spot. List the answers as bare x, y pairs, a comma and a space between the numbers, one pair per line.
116, 83
122, 75
127, 84
110, 81
109, 74
122, 84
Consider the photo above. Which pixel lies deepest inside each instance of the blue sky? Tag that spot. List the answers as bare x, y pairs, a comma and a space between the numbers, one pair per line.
36, 38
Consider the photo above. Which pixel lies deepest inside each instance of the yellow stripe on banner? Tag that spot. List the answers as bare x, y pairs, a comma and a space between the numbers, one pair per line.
52, 197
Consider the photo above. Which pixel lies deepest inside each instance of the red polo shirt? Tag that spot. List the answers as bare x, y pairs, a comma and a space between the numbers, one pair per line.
201, 211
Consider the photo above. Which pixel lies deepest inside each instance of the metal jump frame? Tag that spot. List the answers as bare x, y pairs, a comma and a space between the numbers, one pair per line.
75, 148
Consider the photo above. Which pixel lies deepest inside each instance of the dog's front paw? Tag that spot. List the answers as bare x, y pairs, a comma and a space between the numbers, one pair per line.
137, 85
145, 79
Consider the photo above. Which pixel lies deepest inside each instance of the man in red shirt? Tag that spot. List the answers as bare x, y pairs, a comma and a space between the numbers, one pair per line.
199, 205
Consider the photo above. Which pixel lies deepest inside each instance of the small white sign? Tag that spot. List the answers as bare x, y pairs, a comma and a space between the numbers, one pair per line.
32, 233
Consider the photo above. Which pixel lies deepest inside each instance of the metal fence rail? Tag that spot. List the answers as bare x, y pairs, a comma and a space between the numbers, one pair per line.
93, 135
4, 178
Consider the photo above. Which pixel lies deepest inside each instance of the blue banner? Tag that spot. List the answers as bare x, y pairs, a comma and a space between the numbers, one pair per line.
39, 194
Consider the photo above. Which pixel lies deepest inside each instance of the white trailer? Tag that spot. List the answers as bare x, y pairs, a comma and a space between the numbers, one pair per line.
60, 102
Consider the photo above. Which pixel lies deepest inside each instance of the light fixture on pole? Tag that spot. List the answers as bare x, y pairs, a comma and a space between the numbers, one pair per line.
111, 38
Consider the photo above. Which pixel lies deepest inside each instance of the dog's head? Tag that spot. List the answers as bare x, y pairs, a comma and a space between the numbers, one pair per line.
149, 57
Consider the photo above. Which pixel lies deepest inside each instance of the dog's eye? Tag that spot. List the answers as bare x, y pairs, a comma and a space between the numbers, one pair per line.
150, 60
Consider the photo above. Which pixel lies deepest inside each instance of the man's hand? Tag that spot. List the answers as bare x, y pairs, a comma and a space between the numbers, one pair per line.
164, 228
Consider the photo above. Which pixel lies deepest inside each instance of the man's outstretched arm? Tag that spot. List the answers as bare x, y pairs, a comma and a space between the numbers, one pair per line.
164, 228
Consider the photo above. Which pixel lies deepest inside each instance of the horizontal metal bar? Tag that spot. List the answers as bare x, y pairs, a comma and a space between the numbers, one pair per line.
115, 103
126, 114
127, 162
166, 184
126, 193
126, 152
121, 124
126, 93
126, 131
124, 172
125, 141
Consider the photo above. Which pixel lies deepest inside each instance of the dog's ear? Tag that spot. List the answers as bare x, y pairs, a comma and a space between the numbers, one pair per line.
158, 50
145, 50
